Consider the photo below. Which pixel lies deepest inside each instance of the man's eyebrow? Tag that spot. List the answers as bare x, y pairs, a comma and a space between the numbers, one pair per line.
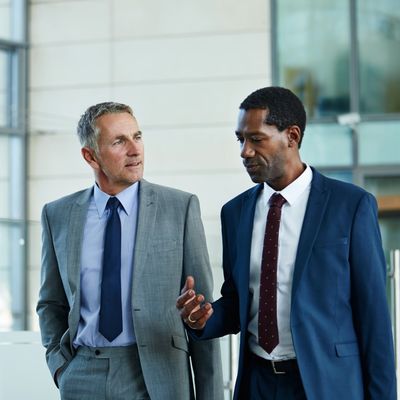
239, 133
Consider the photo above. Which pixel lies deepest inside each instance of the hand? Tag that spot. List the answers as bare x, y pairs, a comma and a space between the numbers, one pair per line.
194, 311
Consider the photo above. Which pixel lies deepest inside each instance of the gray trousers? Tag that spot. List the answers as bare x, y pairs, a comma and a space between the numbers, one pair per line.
103, 373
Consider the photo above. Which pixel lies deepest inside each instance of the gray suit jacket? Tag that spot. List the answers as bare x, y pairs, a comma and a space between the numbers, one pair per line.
170, 244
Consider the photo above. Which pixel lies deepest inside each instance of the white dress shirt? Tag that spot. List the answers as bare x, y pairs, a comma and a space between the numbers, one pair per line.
296, 195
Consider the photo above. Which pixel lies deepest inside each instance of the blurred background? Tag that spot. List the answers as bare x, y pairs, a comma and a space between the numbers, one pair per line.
184, 66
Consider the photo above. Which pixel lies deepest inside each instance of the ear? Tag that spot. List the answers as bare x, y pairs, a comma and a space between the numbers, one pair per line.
89, 156
294, 135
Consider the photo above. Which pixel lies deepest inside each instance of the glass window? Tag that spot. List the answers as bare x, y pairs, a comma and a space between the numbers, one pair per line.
4, 79
5, 295
12, 165
379, 49
345, 176
327, 145
11, 276
5, 19
4, 177
379, 143
305, 30
12, 19
383, 186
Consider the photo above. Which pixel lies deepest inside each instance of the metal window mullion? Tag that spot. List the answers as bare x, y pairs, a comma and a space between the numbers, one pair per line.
274, 43
354, 60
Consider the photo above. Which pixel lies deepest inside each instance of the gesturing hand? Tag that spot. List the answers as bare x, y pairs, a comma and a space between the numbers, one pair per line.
193, 309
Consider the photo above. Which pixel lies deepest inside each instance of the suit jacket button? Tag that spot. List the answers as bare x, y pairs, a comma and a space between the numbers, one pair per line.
97, 352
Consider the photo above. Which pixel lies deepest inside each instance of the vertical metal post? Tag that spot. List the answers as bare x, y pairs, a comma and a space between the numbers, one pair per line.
233, 352
395, 267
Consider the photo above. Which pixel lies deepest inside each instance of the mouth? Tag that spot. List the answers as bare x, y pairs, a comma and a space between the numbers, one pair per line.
251, 167
133, 164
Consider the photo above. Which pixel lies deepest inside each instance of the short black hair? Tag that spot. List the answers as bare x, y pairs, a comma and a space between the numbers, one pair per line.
284, 107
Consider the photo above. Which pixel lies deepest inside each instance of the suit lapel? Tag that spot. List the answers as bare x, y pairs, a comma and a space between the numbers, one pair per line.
145, 226
243, 244
315, 210
76, 226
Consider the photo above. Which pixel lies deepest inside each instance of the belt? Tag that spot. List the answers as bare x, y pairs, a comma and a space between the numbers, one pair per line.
278, 367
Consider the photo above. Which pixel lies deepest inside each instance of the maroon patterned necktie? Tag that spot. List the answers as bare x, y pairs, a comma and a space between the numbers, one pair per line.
268, 337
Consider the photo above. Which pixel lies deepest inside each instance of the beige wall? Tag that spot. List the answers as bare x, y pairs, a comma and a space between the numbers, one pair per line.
183, 65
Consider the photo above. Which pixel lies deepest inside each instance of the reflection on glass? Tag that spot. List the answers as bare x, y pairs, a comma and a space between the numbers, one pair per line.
379, 44
313, 42
5, 285
11, 177
5, 19
327, 145
379, 143
4, 177
12, 19
344, 176
3, 87
383, 185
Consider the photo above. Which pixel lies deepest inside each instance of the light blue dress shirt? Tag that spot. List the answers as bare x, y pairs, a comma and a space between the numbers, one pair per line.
91, 267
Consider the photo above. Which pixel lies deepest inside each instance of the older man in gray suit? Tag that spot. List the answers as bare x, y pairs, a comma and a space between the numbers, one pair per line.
114, 258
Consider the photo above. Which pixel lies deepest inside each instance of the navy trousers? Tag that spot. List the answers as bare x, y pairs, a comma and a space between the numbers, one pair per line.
262, 383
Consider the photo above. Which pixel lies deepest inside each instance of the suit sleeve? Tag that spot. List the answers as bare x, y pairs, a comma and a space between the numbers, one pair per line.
52, 307
369, 303
206, 357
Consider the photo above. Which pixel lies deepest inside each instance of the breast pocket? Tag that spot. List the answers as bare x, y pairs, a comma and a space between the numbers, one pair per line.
164, 245
347, 349
331, 242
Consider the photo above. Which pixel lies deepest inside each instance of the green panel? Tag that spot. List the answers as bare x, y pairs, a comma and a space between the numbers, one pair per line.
313, 49
379, 45
327, 145
379, 143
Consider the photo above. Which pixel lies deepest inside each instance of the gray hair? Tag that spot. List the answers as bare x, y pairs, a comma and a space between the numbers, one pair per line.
87, 130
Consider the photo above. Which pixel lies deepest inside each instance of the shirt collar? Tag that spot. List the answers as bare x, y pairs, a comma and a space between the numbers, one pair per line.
127, 198
293, 191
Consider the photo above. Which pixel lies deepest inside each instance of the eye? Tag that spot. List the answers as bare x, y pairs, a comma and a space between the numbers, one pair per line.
255, 139
240, 139
117, 142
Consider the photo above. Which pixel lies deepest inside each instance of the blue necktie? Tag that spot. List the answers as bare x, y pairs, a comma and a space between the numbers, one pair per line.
110, 324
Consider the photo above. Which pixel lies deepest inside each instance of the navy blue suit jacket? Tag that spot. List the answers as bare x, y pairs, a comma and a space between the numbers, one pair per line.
340, 322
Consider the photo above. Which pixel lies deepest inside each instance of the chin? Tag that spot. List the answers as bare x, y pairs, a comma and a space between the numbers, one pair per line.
257, 179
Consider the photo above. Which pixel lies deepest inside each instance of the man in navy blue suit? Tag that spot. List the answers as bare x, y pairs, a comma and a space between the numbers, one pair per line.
329, 334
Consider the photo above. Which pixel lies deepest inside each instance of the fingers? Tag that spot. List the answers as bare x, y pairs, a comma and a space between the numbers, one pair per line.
193, 310
199, 317
192, 304
189, 284
187, 293
185, 298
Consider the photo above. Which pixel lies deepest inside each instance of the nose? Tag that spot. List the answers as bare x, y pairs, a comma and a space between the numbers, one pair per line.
246, 150
133, 147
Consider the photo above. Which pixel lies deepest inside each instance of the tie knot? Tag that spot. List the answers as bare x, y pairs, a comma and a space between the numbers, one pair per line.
277, 200
113, 203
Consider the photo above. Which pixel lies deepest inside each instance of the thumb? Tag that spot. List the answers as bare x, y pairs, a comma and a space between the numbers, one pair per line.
189, 284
